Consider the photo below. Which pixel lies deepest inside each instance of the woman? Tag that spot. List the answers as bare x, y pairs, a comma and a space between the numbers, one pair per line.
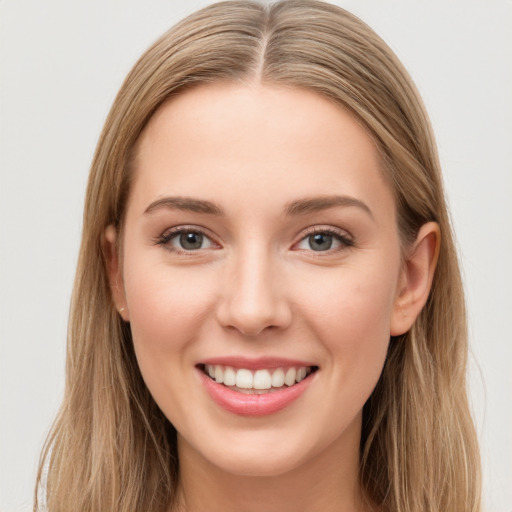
268, 310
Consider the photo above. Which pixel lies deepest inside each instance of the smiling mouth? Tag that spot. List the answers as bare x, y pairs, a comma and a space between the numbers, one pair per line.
257, 382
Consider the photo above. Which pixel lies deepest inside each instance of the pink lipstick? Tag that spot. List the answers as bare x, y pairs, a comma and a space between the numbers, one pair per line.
255, 387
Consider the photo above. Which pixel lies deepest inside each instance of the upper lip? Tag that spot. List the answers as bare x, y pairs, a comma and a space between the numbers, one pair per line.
255, 363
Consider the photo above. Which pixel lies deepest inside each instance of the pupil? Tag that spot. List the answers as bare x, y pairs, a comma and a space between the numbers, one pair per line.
191, 241
320, 242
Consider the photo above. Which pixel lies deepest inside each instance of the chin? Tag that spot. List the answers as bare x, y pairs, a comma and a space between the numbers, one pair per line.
259, 465
259, 456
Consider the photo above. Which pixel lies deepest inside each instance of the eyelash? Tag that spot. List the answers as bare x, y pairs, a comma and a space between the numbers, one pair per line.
345, 240
168, 235
164, 239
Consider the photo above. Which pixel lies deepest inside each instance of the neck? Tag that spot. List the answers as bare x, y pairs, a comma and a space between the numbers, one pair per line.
328, 482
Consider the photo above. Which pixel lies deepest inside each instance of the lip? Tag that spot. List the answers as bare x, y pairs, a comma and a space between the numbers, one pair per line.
253, 405
258, 363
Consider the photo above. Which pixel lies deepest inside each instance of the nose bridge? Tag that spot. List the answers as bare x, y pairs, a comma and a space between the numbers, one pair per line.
253, 298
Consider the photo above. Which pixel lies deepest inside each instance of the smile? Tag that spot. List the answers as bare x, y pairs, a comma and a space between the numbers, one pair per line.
259, 381
255, 392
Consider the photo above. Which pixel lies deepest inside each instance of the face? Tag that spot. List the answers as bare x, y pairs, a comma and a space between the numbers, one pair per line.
260, 245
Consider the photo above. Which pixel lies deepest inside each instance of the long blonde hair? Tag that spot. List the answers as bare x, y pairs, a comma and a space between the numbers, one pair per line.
111, 448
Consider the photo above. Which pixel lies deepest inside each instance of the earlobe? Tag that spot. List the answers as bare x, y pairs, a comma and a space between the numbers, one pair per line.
114, 270
416, 278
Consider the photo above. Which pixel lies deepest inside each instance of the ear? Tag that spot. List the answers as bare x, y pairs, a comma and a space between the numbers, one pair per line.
416, 278
114, 271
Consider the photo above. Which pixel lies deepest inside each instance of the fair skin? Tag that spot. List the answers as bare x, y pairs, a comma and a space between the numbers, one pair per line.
260, 270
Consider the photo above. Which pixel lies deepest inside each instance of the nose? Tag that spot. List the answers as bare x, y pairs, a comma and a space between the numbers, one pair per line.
253, 296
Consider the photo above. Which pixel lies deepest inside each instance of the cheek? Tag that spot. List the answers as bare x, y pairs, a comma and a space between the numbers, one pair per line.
167, 307
351, 314
167, 310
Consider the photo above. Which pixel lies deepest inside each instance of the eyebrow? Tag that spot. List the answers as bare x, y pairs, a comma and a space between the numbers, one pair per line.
188, 204
298, 207
315, 204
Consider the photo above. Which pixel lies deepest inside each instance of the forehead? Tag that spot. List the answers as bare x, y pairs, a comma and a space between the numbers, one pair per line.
241, 142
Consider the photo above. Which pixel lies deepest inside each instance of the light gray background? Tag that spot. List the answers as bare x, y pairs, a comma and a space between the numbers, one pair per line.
61, 64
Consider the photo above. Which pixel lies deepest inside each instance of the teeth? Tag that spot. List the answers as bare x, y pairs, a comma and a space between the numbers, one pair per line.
258, 381
219, 374
262, 380
278, 378
244, 379
301, 373
229, 376
253, 391
289, 378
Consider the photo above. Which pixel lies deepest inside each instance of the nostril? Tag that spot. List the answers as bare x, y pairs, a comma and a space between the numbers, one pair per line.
253, 306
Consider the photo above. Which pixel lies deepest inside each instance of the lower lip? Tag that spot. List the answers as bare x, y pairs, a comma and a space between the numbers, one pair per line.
253, 405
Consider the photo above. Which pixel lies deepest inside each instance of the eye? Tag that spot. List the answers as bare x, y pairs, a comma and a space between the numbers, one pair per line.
189, 241
324, 240
185, 239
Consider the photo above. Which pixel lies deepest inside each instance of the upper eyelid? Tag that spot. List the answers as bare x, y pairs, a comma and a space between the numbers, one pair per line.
176, 230
341, 233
